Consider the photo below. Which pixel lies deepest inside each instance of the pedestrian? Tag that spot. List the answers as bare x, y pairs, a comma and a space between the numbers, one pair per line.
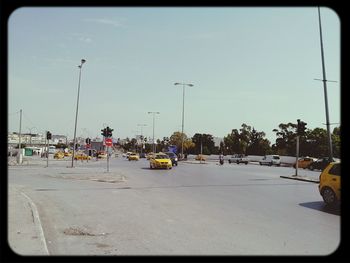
221, 159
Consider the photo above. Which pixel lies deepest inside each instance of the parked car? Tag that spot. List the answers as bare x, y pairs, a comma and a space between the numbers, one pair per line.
173, 157
133, 157
304, 162
101, 154
329, 185
59, 155
200, 157
319, 164
238, 158
82, 156
271, 160
68, 154
160, 160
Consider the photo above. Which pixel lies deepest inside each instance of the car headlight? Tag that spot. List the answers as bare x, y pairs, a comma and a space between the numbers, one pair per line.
175, 159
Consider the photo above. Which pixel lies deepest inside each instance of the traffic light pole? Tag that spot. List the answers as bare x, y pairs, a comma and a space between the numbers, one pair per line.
297, 157
107, 159
47, 152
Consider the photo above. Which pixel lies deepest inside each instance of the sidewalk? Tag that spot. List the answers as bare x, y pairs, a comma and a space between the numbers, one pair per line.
302, 178
25, 234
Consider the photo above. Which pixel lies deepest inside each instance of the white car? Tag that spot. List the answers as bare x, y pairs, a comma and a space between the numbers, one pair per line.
271, 160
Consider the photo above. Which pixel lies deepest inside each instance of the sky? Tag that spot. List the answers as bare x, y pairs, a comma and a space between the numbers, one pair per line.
252, 65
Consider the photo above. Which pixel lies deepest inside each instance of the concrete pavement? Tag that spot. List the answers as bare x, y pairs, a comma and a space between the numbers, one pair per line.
25, 233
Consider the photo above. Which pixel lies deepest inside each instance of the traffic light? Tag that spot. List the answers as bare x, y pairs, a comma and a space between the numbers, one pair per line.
104, 132
48, 135
109, 132
301, 127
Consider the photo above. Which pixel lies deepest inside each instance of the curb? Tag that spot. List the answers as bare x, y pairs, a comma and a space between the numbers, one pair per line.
293, 177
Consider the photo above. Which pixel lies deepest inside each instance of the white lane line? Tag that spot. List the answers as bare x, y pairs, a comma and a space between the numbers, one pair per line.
37, 218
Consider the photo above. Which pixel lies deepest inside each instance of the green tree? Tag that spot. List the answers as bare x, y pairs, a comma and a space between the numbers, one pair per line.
336, 141
207, 142
258, 145
286, 139
176, 139
232, 143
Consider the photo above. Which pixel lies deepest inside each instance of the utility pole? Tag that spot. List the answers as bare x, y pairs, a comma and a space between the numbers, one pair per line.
183, 114
47, 151
297, 157
325, 90
19, 156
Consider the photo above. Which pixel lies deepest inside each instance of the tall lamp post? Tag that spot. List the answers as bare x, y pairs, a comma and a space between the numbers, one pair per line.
325, 90
183, 113
153, 112
76, 112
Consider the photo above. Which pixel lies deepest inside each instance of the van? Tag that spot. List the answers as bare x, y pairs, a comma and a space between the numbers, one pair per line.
271, 160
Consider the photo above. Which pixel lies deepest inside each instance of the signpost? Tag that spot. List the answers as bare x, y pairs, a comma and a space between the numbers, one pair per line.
108, 142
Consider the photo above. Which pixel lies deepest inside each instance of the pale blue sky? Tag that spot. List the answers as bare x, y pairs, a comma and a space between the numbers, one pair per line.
248, 65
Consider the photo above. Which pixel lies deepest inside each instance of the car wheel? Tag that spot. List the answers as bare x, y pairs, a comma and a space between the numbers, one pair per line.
229, 161
246, 163
270, 164
150, 166
329, 196
311, 167
237, 162
260, 163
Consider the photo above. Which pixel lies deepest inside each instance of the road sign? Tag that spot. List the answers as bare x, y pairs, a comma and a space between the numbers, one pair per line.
108, 142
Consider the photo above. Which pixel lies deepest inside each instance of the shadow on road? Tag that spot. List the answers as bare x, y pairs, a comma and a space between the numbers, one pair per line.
321, 206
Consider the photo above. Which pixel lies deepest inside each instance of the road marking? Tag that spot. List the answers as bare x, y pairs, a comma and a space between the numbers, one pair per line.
37, 218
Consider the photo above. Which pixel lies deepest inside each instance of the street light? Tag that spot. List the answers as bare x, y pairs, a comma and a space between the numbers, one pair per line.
325, 90
153, 112
76, 112
183, 113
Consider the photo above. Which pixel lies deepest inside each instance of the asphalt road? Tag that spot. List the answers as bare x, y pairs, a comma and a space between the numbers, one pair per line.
192, 209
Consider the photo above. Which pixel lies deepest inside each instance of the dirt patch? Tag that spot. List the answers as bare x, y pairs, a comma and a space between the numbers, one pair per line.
77, 231
73, 231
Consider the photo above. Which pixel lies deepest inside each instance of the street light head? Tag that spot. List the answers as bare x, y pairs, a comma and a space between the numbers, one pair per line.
177, 83
83, 61
191, 85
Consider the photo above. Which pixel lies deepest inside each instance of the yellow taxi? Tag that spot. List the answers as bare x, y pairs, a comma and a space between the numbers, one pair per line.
68, 154
58, 155
82, 156
101, 154
329, 185
160, 160
134, 157
200, 157
304, 162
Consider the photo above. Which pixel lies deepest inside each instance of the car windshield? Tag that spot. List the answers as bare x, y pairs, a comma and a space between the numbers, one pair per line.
161, 156
276, 157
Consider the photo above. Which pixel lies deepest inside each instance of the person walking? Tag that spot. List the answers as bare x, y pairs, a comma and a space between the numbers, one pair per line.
221, 159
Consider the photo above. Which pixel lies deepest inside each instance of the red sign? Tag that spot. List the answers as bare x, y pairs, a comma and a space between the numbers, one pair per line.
108, 142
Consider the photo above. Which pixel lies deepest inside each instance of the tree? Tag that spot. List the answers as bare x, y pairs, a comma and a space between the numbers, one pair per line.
258, 145
176, 139
286, 139
204, 140
231, 143
336, 142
